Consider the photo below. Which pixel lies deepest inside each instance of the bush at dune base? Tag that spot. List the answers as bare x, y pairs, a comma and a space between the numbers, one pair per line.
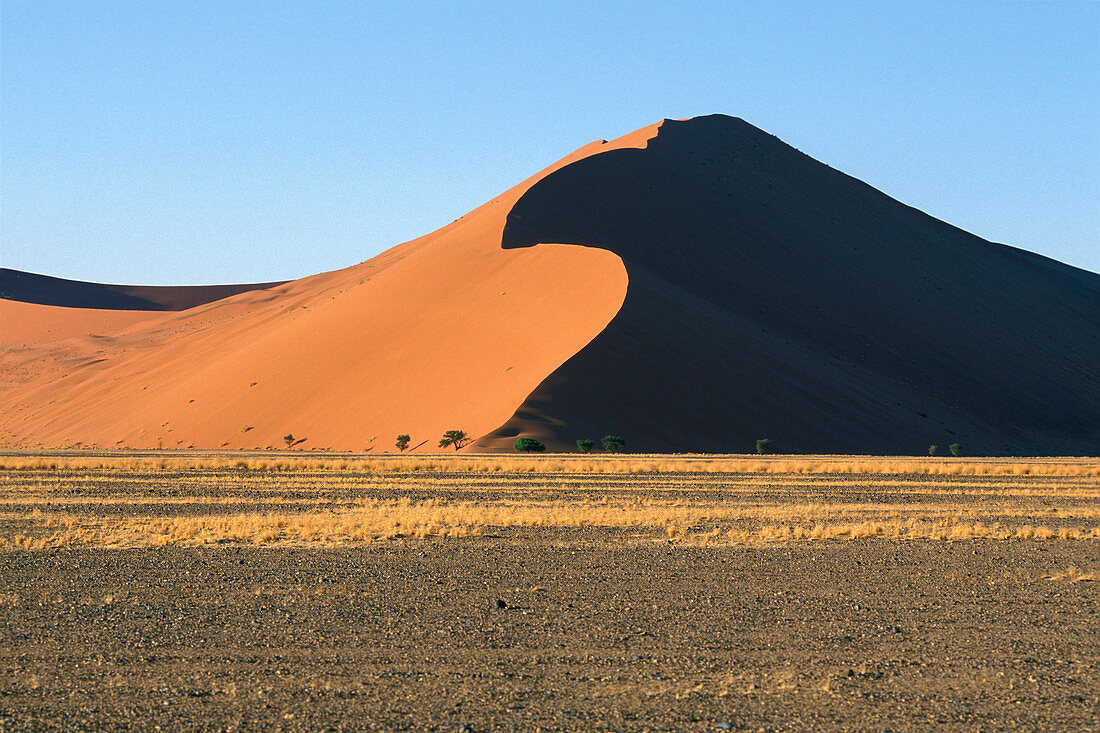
529, 445
613, 443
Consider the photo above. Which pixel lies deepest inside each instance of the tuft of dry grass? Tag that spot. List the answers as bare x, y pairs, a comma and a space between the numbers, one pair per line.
1072, 574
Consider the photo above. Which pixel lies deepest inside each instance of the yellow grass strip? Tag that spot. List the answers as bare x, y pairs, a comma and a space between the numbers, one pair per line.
398, 519
560, 463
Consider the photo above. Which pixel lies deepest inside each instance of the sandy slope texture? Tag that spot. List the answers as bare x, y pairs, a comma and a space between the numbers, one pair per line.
449, 331
772, 296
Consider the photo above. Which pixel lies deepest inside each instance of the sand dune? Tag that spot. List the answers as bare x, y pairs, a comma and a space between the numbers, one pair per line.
772, 296
29, 287
449, 331
24, 325
694, 285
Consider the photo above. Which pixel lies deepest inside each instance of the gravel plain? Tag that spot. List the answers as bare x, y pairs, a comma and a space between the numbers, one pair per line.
551, 628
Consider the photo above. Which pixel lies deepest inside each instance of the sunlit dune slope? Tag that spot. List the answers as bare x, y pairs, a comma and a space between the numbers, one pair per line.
772, 296
449, 331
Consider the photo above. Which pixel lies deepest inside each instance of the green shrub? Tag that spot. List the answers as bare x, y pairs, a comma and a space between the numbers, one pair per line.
613, 443
584, 445
955, 448
763, 446
402, 442
932, 449
457, 438
529, 445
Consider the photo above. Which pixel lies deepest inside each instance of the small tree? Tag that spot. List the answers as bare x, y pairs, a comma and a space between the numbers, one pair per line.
932, 449
288, 439
457, 438
584, 445
763, 446
402, 442
955, 448
613, 443
529, 445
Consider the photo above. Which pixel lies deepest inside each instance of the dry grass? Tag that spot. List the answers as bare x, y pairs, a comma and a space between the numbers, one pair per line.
402, 518
140, 500
131, 501
291, 461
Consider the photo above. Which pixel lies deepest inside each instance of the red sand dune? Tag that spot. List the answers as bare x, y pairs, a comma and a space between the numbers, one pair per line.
692, 286
449, 331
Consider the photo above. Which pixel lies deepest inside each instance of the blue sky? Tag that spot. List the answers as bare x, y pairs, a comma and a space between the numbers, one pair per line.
193, 142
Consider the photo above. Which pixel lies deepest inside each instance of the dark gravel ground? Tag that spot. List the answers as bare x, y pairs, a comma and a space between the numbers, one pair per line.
598, 632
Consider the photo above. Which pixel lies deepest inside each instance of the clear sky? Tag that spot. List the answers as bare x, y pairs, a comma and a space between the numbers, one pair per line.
200, 142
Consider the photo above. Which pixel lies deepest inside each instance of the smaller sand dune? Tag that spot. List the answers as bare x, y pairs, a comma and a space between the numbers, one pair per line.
29, 287
24, 325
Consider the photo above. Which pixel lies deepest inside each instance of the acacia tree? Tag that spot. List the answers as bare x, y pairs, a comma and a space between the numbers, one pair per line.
763, 446
955, 448
402, 442
584, 445
613, 443
529, 445
457, 438
288, 439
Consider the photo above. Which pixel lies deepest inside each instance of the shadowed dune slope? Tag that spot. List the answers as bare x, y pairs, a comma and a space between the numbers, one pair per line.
29, 287
772, 296
449, 331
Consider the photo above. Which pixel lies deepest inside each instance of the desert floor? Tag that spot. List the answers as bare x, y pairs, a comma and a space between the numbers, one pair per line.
222, 591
